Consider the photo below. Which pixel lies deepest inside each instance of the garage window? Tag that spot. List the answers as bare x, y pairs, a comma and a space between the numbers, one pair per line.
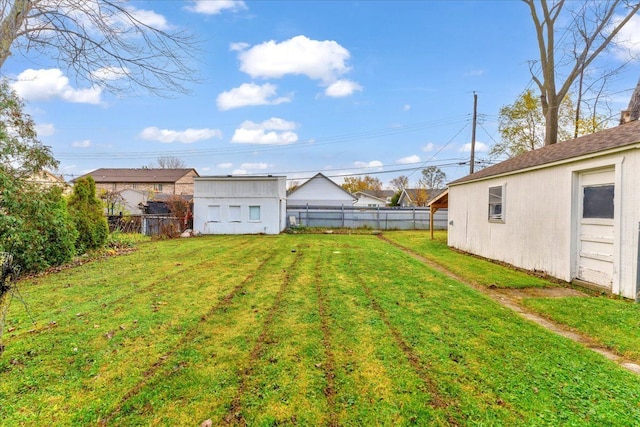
254, 213
598, 201
496, 204
235, 214
214, 213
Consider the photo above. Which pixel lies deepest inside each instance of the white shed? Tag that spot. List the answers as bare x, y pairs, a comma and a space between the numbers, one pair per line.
320, 191
239, 204
368, 200
571, 210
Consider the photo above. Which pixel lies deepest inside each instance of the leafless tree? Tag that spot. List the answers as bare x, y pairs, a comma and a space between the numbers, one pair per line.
110, 44
170, 162
593, 26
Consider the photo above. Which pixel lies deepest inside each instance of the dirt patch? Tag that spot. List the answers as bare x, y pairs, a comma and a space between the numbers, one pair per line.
553, 292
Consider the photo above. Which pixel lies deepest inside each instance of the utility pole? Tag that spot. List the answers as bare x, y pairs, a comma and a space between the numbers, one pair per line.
473, 132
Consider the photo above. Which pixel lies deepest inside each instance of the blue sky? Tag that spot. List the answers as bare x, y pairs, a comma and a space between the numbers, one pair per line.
300, 87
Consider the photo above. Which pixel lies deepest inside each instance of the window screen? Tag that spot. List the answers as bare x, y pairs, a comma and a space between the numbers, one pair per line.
496, 204
234, 214
254, 213
598, 201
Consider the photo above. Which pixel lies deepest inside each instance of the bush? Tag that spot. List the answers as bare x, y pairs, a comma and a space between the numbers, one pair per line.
86, 211
34, 224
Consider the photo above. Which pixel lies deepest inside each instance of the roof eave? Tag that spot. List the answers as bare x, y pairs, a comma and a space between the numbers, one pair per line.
615, 150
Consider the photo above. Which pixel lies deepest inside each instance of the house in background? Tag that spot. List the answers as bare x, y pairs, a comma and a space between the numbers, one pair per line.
368, 200
417, 197
320, 191
239, 204
48, 180
167, 181
571, 210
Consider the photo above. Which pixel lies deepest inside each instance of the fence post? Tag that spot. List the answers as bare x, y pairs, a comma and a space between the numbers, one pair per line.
308, 225
378, 215
414, 217
342, 209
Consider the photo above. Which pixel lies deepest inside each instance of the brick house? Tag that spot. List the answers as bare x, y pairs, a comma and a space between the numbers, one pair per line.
162, 181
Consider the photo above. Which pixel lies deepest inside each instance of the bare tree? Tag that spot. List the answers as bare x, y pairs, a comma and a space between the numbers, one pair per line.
170, 162
594, 26
433, 178
111, 44
399, 183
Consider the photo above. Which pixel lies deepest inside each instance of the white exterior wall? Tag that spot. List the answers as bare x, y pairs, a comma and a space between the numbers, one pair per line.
320, 191
217, 199
540, 218
367, 201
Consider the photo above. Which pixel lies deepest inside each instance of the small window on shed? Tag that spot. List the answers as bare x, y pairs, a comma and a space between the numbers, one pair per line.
496, 204
157, 187
235, 214
214, 213
254, 213
598, 201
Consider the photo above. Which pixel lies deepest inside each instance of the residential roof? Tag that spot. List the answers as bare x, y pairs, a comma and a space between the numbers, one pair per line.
616, 137
367, 194
320, 175
106, 175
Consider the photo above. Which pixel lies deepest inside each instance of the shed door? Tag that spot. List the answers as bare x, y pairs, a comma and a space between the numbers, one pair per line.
595, 246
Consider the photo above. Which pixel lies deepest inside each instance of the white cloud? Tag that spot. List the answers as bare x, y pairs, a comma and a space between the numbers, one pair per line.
110, 73
50, 84
148, 18
371, 164
408, 160
406, 107
215, 7
249, 94
260, 166
186, 136
239, 172
225, 165
239, 46
427, 148
480, 147
274, 131
45, 129
342, 88
628, 39
318, 60
81, 144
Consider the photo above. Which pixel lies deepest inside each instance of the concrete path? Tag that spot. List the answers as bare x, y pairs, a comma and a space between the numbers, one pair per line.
512, 299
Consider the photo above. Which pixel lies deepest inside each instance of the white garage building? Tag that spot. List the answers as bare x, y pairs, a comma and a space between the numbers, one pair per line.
239, 204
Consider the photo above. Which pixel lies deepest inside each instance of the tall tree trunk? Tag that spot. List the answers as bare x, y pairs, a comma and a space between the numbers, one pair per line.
10, 27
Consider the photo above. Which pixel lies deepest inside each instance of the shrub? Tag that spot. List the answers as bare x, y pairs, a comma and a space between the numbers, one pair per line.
34, 224
86, 211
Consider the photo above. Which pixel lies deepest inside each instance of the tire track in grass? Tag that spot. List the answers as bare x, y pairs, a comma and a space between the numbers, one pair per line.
330, 365
437, 400
234, 414
187, 337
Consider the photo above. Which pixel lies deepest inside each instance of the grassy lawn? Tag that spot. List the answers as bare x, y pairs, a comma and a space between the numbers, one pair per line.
290, 330
614, 323
473, 270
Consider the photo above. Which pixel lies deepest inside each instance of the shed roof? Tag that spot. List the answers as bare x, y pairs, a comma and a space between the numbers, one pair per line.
616, 137
109, 175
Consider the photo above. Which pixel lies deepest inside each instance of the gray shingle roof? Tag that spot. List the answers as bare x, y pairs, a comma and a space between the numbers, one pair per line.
106, 175
616, 137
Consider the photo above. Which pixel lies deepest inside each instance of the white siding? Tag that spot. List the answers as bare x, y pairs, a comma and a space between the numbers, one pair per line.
540, 217
320, 191
224, 205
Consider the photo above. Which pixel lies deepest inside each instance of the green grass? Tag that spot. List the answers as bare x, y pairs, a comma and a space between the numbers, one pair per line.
614, 323
290, 330
471, 269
